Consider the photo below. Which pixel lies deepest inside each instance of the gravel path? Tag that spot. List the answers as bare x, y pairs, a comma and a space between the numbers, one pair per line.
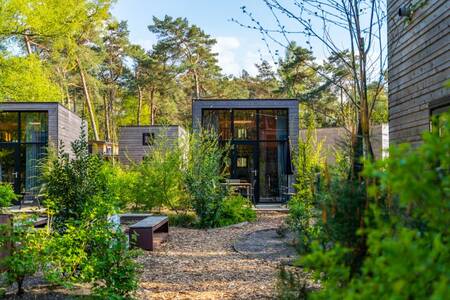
202, 264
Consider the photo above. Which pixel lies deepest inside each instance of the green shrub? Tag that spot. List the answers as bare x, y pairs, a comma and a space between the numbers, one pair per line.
235, 209
85, 247
6, 195
302, 207
160, 181
114, 265
77, 188
183, 219
204, 177
407, 229
123, 184
25, 244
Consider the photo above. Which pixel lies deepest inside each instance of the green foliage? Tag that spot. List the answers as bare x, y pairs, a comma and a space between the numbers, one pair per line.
6, 195
25, 244
308, 163
291, 284
235, 209
160, 180
407, 229
114, 265
77, 188
86, 247
203, 178
26, 79
183, 219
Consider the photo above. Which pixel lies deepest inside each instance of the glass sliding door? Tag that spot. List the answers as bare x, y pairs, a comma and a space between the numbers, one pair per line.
244, 125
273, 159
8, 165
9, 127
245, 166
23, 142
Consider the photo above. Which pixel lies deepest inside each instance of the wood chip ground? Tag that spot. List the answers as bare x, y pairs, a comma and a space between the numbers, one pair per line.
202, 264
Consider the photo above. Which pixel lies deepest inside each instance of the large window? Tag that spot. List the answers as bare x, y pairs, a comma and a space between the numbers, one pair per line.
9, 127
244, 122
219, 121
259, 147
273, 125
24, 137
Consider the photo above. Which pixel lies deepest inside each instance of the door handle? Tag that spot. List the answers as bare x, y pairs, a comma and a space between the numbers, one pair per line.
15, 174
255, 172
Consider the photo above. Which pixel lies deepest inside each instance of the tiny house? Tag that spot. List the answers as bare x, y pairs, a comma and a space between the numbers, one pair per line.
136, 142
26, 130
261, 134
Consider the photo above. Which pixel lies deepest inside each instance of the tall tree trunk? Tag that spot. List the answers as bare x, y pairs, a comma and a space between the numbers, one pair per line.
26, 38
152, 107
364, 109
88, 100
107, 129
112, 98
197, 85
139, 108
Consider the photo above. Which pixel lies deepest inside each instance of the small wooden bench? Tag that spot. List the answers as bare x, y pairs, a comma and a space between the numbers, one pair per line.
149, 232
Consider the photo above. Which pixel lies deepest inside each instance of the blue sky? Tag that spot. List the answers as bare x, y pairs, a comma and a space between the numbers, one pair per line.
238, 48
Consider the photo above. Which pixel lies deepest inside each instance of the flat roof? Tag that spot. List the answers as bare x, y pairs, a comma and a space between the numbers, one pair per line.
245, 99
143, 126
34, 103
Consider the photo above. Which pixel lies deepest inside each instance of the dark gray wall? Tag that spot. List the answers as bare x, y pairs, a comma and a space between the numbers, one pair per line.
63, 125
131, 148
418, 66
291, 105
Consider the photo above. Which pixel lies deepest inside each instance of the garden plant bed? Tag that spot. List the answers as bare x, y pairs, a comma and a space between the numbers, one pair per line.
203, 264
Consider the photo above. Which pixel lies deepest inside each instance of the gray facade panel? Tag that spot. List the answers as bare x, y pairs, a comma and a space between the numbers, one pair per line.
131, 146
418, 66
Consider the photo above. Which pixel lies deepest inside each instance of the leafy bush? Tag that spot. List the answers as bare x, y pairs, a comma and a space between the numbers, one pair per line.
114, 266
86, 247
25, 244
6, 195
160, 181
235, 209
183, 219
302, 213
203, 178
77, 188
407, 229
123, 184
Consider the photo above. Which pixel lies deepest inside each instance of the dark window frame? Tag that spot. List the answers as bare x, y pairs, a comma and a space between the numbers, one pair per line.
148, 138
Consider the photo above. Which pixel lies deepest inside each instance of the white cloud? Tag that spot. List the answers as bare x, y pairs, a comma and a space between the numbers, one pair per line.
226, 48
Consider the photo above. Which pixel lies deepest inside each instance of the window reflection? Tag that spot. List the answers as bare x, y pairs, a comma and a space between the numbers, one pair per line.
219, 121
245, 124
34, 127
9, 127
273, 125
